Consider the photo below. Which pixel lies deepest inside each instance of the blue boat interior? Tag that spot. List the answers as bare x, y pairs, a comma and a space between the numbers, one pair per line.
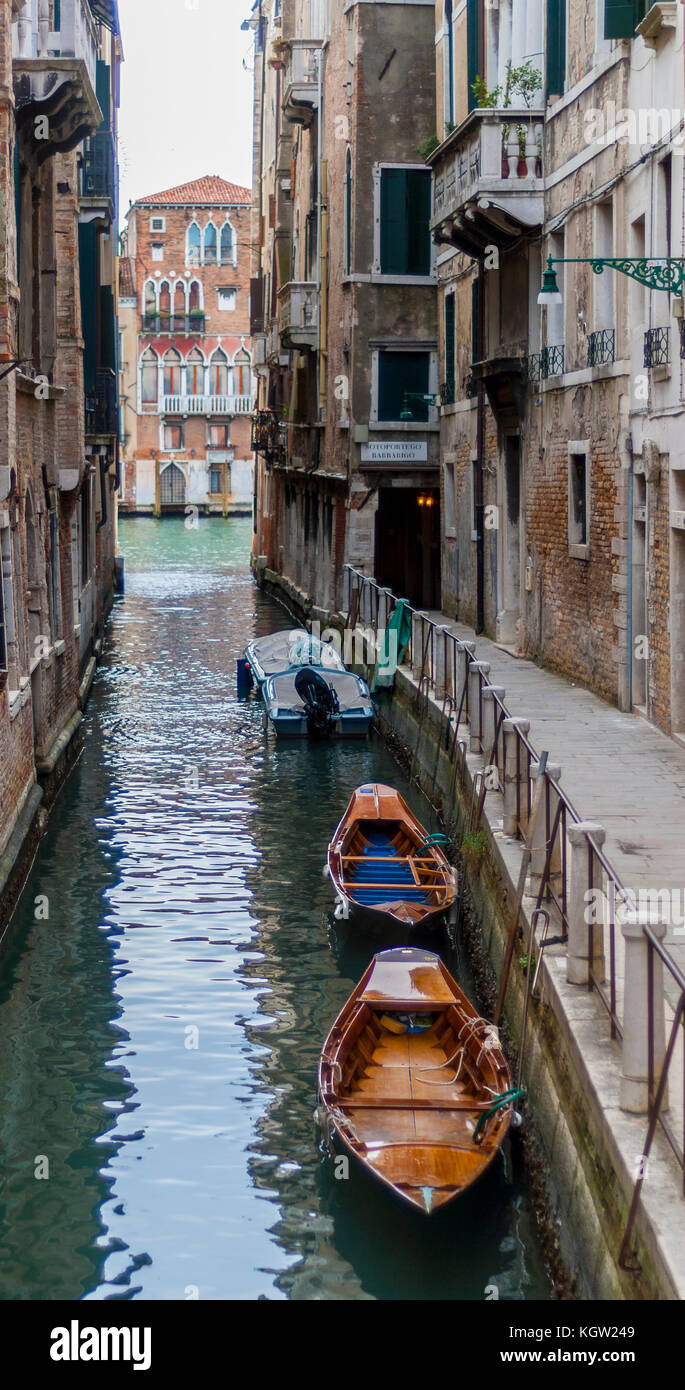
385, 866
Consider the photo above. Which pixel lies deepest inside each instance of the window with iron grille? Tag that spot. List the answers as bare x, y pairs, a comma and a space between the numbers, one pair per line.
216, 480
657, 347
447, 390
578, 499
601, 347
681, 329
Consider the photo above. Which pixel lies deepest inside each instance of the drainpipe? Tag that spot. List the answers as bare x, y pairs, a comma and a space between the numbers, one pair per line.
478, 490
323, 291
625, 455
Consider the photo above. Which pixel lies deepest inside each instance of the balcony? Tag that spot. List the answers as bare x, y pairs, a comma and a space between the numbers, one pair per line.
301, 82
54, 75
207, 405
173, 323
488, 180
98, 169
102, 406
298, 314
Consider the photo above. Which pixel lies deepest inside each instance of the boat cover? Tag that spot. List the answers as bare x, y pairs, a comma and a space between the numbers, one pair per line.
294, 647
352, 692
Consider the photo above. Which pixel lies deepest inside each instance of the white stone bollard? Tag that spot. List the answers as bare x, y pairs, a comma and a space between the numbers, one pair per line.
477, 669
418, 638
634, 1091
441, 677
491, 694
538, 845
577, 907
515, 779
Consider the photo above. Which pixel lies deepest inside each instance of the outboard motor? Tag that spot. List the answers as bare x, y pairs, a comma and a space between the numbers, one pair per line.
320, 701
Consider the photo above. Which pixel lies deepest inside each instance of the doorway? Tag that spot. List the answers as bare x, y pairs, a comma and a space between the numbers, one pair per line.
408, 544
511, 545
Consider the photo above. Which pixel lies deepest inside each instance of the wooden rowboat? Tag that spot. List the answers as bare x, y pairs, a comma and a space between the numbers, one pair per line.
386, 870
413, 1083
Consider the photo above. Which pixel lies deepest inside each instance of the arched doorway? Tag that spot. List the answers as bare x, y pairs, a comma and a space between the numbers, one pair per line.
172, 491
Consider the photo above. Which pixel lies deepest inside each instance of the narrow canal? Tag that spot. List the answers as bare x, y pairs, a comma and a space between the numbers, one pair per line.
170, 977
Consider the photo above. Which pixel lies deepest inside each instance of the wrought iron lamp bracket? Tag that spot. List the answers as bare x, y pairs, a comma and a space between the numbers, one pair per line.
657, 273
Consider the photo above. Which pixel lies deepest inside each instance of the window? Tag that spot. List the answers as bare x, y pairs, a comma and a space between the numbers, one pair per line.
210, 244
158, 224
150, 299
405, 216
193, 244
195, 298
227, 299
227, 245
449, 64
242, 373
216, 480
148, 377
164, 305
450, 347
401, 374
173, 436
195, 373
179, 306
55, 578
579, 499
621, 17
348, 213
219, 436
172, 373
218, 374
473, 63
556, 48
157, 251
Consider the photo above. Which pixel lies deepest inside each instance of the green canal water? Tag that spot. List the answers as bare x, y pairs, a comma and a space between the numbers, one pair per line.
160, 1026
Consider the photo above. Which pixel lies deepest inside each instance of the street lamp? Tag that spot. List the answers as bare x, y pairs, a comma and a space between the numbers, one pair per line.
665, 273
406, 413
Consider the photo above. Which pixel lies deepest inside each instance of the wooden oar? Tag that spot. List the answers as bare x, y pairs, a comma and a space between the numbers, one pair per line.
520, 889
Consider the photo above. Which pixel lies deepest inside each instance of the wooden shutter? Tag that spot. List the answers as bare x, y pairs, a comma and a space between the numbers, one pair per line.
450, 322
418, 221
102, 91
87, 246
475, 321
619, 19
556, 47
472, 48
394, 228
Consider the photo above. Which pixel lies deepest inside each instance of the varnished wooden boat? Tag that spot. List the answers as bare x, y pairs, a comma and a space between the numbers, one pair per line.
385, 868
423, 1105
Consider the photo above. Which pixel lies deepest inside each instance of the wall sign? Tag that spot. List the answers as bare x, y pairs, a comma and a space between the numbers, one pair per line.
395, 451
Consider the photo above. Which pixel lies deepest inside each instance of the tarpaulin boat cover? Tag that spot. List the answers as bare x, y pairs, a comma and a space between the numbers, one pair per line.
351, 694
295, 647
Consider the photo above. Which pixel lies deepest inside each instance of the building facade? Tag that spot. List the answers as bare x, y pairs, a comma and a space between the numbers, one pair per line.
561, 132
344, 295
187, 386
58, 410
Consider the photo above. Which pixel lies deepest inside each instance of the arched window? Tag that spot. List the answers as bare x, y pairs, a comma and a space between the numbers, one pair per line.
150, 299
218, 374
348, 213
172, 373
193, 244
242, 373
195, 300
165, 305
195, 373
210, 244
227, 244
179, 308
148, 377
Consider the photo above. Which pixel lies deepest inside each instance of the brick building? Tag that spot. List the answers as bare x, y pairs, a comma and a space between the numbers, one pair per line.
187, 392
58, 413
344, 294
563, 463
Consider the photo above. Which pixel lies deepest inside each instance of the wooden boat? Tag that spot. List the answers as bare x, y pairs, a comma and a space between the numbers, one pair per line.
386, 870
311, 701
267, 656
413, 1083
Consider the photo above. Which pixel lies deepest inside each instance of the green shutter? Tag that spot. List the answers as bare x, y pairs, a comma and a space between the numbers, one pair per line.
418, 221
398, 374
475, 321
394, 239
556, 47
87, 253
472, 45
102, 91
108, 347
450, 345
619, 19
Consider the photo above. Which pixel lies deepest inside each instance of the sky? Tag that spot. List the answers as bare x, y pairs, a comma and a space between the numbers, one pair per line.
186, 94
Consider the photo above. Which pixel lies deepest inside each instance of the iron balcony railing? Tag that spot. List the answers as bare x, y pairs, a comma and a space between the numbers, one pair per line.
207, 405
447, 666
174, 323
548, 362
601, 347
447, 392
102, 415
98, 166
657, 347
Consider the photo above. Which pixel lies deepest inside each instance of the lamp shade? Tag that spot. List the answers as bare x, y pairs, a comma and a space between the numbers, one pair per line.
550, 292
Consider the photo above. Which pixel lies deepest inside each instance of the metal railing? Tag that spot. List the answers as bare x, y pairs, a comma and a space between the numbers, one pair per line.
102, 406
443, 663
601, 347
173, 323
657, 347
207, 405
98, 167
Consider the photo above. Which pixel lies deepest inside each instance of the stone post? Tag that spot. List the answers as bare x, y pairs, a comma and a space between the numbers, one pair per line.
476, 670
491, 693
465, 652
538, 845
577, 907
634, 1091
442, 675
514, 780
418, 638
